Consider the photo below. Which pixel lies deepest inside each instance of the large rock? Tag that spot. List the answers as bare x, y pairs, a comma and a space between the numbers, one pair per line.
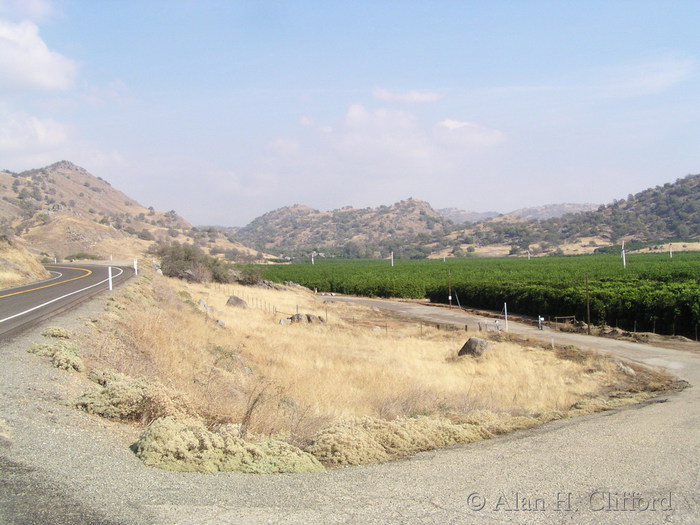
474, 347
303, 318
236, 301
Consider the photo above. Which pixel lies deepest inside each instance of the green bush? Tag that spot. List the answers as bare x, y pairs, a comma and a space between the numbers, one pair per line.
186, 261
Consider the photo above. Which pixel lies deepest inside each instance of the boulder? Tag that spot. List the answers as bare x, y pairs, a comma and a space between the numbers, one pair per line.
303, 318
236, 301
474, 347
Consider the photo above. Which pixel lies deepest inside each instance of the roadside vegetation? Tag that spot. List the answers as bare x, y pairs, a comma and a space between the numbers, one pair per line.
217, 387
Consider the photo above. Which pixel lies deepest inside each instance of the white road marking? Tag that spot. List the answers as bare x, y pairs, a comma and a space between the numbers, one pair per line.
62, 297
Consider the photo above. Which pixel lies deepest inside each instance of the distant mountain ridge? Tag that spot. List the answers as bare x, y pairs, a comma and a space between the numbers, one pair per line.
349, 232
461, 216
412, 228
62, 209
548, 211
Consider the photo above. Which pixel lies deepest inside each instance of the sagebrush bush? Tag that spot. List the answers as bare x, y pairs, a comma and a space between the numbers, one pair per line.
191, 447
63, 354
56, 332
126, 398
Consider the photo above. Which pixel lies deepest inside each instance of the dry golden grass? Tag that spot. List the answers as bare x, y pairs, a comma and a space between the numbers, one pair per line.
17, 265
335, 385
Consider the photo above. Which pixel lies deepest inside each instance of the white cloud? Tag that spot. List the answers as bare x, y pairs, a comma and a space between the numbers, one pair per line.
283, 147
648, 78
114, 91
409, 96
468, 133
20, 132
382, 135
26, 62
32, 9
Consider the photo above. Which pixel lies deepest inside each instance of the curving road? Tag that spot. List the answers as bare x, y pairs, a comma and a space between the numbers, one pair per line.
70, 284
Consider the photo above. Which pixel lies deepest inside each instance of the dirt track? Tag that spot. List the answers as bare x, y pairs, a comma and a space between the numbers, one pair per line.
638, 465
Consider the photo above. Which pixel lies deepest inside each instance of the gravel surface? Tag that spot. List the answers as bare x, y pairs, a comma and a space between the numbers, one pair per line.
633, 466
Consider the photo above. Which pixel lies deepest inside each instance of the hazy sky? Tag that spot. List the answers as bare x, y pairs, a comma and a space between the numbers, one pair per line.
224, 110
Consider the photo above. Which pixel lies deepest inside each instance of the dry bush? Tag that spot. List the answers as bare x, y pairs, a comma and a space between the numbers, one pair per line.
370, 440
125, 398
56, 332
190, 447
63, 354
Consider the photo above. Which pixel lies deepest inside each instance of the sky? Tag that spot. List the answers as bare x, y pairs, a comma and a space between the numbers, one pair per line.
225, 110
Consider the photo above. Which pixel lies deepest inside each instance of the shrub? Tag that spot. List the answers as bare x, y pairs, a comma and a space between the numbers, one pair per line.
57, 332
63, 354
190, 447
125, 398
187, 261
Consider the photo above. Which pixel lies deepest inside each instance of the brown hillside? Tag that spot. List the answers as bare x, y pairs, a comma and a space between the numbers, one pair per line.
299, 228
17, 265
63, 210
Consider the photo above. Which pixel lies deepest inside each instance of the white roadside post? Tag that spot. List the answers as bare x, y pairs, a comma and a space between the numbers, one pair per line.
505, 311
624, 258
109, 274
136, 267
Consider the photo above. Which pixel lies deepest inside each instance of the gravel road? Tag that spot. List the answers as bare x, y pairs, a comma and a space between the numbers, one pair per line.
638, 465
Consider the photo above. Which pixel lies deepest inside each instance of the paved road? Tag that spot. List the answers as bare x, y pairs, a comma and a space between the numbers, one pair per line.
639, 465
70, 284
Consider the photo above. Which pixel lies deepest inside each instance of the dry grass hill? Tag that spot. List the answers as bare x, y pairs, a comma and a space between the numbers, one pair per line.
17, 265
62, 210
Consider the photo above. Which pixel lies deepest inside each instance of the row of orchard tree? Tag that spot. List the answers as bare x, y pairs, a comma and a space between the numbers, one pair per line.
653, 293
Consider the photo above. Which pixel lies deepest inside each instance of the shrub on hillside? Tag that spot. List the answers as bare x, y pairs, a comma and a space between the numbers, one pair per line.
186, 261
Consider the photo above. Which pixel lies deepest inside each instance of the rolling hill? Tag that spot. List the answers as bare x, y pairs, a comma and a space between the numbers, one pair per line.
412, 228
62, 210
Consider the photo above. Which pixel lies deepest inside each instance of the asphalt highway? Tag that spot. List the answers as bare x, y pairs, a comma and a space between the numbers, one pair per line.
70, 284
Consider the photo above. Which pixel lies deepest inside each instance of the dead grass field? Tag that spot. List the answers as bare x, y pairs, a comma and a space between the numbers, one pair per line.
358, 388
